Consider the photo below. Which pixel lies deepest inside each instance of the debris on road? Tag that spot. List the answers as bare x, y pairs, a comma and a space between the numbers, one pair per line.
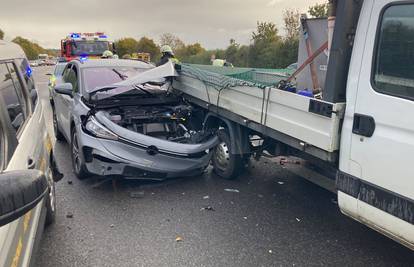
112, 225
69, 215
179, 239
232, 190
284, 161
270, 251
206, 197
297, 219
281, 183
139, 194
208, 208
70, 182
245, 218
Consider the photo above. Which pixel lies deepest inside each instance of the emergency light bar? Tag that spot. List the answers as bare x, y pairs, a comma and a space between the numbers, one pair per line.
88, 35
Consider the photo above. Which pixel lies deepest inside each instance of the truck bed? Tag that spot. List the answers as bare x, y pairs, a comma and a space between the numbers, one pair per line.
305, 123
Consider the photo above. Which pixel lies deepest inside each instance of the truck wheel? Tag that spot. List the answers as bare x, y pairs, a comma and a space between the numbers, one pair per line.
58, 134
78, 165
226, 165
50, 206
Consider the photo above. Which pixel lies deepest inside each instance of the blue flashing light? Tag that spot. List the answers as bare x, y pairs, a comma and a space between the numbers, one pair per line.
29, 71
75, 35
103, 36
83, 58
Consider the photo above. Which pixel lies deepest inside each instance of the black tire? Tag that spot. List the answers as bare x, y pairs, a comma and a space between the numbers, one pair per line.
58, 134
226, 165
50, 206
78, 164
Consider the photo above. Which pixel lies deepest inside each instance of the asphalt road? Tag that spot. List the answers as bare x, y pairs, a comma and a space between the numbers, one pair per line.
275, 219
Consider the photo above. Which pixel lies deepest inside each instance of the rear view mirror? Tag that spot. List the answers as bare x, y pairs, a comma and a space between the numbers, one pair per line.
20, 191
64, 89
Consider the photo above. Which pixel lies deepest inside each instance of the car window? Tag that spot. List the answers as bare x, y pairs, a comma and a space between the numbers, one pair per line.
12, 93
59, 69
70, 76
393, 70
26, 70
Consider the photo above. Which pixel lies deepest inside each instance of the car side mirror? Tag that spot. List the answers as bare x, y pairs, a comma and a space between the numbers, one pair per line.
20, 192
64, 89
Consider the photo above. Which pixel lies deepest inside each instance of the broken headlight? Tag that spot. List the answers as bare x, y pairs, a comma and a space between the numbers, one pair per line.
98, 130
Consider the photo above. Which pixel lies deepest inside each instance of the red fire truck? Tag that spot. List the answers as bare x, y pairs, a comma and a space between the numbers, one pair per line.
80, 45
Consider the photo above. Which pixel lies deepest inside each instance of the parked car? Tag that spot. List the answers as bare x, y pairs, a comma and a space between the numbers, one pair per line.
27, 168
140, 131
33, 63
57, 73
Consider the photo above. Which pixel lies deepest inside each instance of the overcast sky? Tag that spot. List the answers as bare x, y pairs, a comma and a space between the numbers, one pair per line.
209, 22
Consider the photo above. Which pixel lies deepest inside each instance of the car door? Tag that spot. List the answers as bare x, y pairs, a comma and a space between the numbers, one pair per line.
58, 98
64, 103
383, 128
25, 139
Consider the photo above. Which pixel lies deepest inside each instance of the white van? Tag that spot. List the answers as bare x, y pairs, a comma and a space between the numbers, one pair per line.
27, 167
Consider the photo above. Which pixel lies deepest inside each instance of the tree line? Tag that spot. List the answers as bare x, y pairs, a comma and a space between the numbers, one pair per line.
267, 49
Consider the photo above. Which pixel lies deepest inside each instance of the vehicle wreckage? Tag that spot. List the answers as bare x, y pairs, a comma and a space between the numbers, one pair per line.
135, 128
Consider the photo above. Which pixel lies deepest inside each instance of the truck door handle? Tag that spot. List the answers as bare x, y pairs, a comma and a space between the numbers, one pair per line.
363, 125
31, 164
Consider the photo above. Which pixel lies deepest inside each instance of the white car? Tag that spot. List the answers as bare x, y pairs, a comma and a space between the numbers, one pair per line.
27, 167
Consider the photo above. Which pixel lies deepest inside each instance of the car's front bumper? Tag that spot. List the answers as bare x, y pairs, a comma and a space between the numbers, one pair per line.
116, 158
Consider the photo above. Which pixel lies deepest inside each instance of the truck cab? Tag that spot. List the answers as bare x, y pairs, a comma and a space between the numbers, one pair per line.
375, 181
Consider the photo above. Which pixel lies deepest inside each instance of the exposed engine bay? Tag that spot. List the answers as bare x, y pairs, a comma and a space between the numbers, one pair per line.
174, 121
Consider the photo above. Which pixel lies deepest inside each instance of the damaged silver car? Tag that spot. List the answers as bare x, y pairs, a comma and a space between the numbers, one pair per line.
121, 120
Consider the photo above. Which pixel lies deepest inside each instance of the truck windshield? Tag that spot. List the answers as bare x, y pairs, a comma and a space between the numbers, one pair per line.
90, 48
104, 76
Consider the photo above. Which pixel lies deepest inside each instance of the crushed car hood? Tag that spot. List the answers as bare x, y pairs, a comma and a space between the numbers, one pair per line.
162, 146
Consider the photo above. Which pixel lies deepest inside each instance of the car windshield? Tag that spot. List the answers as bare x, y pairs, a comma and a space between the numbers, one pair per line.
92, 48
59, 69
103, 76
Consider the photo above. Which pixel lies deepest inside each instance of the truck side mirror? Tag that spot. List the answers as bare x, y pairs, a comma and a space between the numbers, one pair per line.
64, 89
20, 192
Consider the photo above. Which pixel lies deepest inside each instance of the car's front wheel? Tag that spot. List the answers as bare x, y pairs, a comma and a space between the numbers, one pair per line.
78, 164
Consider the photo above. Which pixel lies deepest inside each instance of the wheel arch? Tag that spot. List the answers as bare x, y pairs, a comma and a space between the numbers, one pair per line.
239, 135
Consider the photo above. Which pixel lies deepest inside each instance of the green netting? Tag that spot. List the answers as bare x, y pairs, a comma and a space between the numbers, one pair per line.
261, 77
219, 81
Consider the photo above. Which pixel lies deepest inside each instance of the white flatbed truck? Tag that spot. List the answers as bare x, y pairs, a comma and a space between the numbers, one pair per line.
362, 130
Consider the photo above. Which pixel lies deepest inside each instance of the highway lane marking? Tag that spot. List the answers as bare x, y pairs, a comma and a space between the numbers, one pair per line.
26, 220
16, 258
